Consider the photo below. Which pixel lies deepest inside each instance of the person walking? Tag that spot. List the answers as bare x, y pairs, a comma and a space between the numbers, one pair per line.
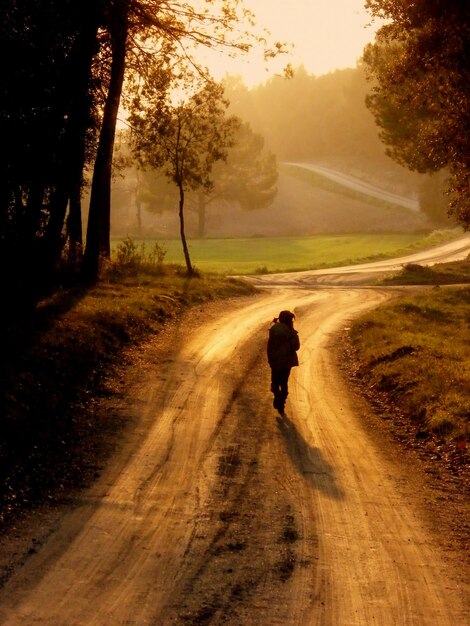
283, 343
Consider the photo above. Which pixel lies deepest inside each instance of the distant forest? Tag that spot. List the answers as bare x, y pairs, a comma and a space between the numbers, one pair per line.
322, 119
318, 119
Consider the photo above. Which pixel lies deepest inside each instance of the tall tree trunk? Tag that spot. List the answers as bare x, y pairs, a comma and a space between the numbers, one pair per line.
138, 216
99, 217
187, 259
138, 203
74, 227
73, 149
25, 271
74, 221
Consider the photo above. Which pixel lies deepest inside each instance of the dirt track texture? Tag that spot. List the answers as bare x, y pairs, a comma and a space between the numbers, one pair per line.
216, 511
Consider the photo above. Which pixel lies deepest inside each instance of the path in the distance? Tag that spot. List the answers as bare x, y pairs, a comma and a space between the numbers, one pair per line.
356, 184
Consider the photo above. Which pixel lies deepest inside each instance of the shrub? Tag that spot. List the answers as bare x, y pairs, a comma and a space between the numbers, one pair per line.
132, 259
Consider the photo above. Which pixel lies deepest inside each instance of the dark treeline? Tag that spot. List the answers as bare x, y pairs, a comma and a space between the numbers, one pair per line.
48, 122
66, 63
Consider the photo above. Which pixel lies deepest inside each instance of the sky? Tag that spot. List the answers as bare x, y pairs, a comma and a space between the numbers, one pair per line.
327, 35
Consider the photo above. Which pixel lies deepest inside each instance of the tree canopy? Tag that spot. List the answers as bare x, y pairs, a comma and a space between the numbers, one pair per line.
247, 177
68, 63
184, 140
420, 67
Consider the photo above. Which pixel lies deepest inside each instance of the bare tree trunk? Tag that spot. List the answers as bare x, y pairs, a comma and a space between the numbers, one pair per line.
189, 267
138, 203
99, 218
138, 216
76, 106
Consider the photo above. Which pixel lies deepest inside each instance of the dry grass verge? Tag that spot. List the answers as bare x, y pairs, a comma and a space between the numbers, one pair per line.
457, 272
54, 364
413, 354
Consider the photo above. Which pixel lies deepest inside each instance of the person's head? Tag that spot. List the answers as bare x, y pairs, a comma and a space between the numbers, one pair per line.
286, 317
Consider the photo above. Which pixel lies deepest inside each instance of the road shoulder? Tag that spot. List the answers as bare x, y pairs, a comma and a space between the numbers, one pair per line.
438, 489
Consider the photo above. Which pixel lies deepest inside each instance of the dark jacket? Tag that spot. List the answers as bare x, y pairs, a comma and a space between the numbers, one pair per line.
283, 344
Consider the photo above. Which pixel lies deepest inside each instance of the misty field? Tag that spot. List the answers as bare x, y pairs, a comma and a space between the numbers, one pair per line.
264, 254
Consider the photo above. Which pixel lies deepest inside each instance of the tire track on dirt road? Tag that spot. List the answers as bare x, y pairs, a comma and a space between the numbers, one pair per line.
113, 559
378, 562
335, 516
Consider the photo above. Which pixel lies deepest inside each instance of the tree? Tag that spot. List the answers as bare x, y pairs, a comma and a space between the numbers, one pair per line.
99, 216
432, 197
68, 61
247, 177
147, 34
185, 140
421, 90
46, 116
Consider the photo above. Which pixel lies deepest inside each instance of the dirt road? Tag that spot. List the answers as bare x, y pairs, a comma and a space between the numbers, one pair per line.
367, 273
359, 185
216, 511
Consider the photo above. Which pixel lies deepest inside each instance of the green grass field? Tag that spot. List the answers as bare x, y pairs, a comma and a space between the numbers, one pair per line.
263, 255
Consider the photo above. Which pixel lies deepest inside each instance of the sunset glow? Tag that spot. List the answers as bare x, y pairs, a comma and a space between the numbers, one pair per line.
326, 35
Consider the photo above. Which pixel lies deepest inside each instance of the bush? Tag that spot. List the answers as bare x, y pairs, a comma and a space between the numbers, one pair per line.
132, 258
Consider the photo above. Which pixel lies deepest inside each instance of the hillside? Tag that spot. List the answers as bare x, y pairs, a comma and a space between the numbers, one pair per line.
300, 208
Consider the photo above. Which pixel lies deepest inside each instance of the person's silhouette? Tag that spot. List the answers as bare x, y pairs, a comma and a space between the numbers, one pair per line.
283, 343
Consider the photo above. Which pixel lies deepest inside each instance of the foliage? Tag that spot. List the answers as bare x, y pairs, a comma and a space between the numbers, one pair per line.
420, 96
246, 177
155, 192
249, 174
132, 258
432, 198
184, 140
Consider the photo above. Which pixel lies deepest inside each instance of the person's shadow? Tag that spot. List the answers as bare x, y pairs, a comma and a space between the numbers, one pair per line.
309, 460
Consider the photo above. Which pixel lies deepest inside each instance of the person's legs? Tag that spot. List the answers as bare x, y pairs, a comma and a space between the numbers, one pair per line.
275, 387
283, 387
279, 387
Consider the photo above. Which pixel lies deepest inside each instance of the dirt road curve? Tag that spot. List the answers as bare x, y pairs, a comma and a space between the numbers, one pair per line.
226, 514
367, 273
217, 512
359, 185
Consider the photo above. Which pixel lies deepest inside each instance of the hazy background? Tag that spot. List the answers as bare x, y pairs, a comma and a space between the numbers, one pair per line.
317, 117
325, 35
